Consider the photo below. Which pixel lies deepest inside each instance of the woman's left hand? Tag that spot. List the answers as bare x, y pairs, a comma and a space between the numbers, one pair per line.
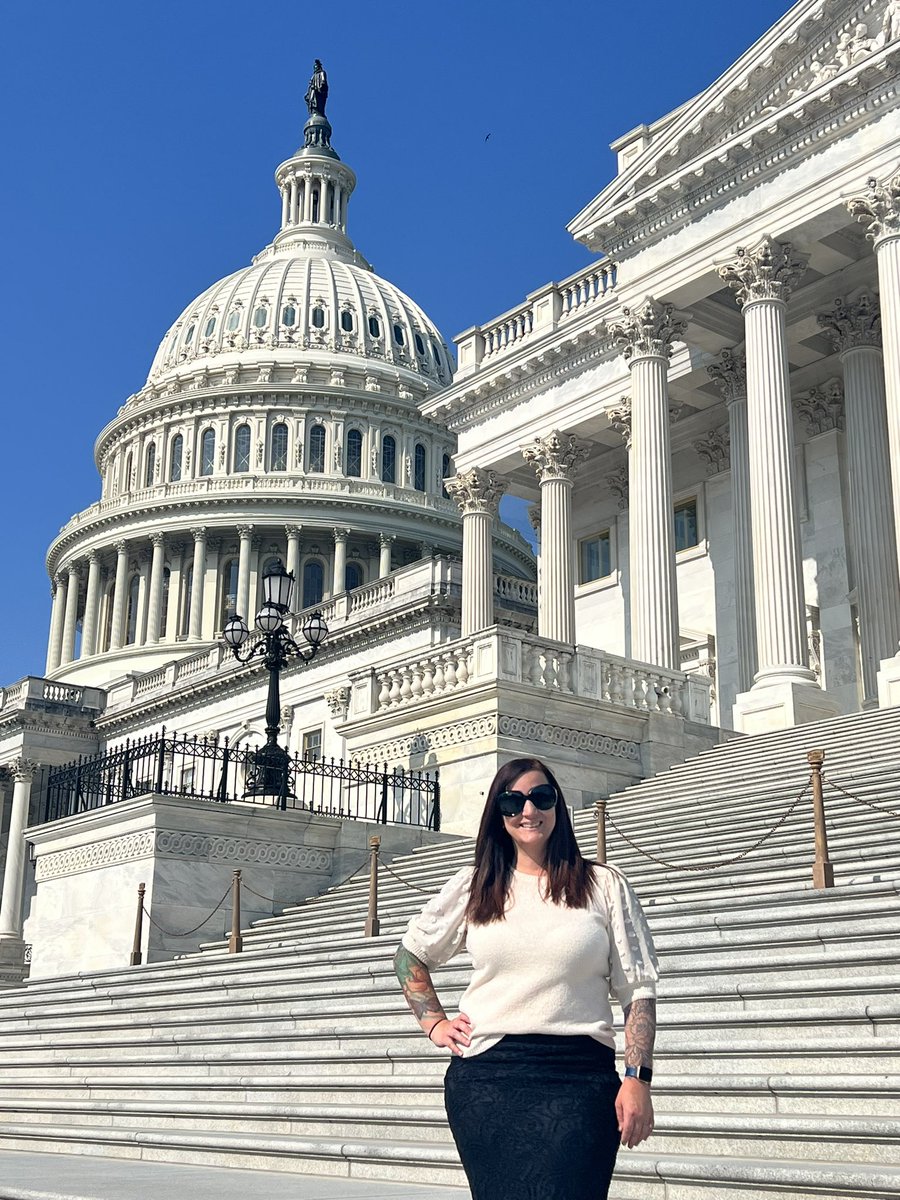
634, 1110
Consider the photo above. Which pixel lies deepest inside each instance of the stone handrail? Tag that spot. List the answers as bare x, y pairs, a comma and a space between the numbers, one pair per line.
519, 591
502, 655
48, 691
542, 312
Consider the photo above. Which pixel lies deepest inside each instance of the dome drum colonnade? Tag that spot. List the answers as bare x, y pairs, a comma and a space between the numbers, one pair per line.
769, 591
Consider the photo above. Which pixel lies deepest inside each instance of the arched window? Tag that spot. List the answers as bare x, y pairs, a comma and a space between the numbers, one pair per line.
354, 453
353, 576
289, 315
389, 460
347, 320
175, 456
438, 357
228, 599
317, 449
241, 456
420, 345
313, 583
445, 474
164, 603
318, 317
150, 465
210, 327
126, 478
279, 452
189, 336
131, 623
208, 452
234, 319
419, 468
261, 317
399, 337
374, 326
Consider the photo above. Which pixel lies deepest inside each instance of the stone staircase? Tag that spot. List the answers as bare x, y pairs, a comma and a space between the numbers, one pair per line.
778, 1062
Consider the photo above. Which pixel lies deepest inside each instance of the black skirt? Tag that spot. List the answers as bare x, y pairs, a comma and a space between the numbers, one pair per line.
534, 1118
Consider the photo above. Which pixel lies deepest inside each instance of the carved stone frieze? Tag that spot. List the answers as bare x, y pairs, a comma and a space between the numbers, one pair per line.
853, 322
338, 701
822, 408
477, 491
649, 330
556, 456
769, 271
104, 853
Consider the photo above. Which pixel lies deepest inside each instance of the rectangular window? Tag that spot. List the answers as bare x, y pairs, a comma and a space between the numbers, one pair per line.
594, 557
686, 527
311, 750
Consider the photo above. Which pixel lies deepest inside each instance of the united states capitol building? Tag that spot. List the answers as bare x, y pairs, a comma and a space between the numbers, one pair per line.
705, 423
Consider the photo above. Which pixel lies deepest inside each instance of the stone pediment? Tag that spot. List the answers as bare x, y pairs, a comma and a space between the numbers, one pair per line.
819, 54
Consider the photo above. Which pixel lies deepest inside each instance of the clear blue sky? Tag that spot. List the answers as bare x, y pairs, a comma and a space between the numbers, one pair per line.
139, 146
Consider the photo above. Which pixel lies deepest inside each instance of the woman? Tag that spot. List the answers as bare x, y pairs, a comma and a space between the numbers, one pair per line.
533, 1099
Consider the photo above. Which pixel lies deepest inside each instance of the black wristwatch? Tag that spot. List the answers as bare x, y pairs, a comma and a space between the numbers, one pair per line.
643, 1074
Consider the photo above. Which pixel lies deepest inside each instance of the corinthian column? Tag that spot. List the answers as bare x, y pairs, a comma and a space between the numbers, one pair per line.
91, 607
157, 566
120, 599
54, 645
293, 549
763, 279
646, 337
198, 580
854, 327
12, 949
338, 580
71, 617
879, 208
730, 375
385, 542
242, 601
555, 459
477, 492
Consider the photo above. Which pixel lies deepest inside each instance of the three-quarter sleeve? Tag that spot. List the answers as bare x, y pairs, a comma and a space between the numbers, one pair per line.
438, 932
634, 971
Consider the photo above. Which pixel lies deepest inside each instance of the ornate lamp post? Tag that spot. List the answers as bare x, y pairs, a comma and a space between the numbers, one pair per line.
269, 774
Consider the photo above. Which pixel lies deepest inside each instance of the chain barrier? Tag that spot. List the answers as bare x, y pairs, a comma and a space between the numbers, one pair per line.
384, 867
727, 862
868, 803
187, 932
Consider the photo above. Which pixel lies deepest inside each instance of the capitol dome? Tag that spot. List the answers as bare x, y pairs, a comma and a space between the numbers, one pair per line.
281, 419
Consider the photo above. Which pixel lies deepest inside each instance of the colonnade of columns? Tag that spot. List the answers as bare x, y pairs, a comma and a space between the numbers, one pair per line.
773, 659
176, 572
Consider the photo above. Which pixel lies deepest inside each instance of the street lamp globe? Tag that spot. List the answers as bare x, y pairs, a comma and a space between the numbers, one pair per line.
236, 632
270, 617
277, 585
314, 630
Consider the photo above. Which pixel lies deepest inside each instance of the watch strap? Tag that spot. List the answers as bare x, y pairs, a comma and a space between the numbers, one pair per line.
644, 1074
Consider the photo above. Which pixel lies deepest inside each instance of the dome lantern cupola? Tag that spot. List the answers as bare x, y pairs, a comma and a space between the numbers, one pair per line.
315, 185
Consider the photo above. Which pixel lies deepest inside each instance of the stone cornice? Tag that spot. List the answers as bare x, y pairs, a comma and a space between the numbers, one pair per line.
748, 157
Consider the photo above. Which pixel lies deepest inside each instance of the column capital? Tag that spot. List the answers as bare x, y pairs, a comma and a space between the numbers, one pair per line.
73, 568
769, 271
23, 770
293, 530
879, 207
157, 539
387, 539
93, 557
715, 449
853, 322
341, 533
649, 330
729, 374
556, 456
199, 533
477, 491
620, 420
120, 547
244, 531
822, 408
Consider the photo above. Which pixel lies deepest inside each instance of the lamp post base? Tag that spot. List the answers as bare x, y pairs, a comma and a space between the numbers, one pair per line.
270, 775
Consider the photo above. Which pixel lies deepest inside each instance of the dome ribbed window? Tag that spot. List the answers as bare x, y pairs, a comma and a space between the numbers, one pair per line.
347, 321
279, 450
241, 459
175, 456
208, 452
313, 583
419, 468
374, 327
389, 460
317, 449
354, 454
150, 465
210, 327
318, 317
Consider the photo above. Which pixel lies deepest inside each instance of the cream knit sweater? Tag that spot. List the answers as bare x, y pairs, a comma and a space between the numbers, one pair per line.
544, 968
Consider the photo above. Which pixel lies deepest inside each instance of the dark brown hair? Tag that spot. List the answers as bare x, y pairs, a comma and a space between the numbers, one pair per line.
569, 877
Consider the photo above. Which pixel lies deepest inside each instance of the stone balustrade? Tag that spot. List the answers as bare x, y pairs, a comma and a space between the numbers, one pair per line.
501, 655
542, 312
508, 589
33, 689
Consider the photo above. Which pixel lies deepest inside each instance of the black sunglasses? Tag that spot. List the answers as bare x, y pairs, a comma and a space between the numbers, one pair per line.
511, 804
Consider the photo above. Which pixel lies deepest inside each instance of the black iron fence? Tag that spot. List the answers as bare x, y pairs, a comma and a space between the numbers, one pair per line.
207, 769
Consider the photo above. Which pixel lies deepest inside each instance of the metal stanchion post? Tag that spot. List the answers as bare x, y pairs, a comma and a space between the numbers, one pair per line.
823, 871
135, 959
373, 925
600, 806
235, 941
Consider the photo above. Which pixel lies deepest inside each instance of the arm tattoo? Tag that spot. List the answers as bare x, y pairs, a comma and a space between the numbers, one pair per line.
418, 989
640, 1033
